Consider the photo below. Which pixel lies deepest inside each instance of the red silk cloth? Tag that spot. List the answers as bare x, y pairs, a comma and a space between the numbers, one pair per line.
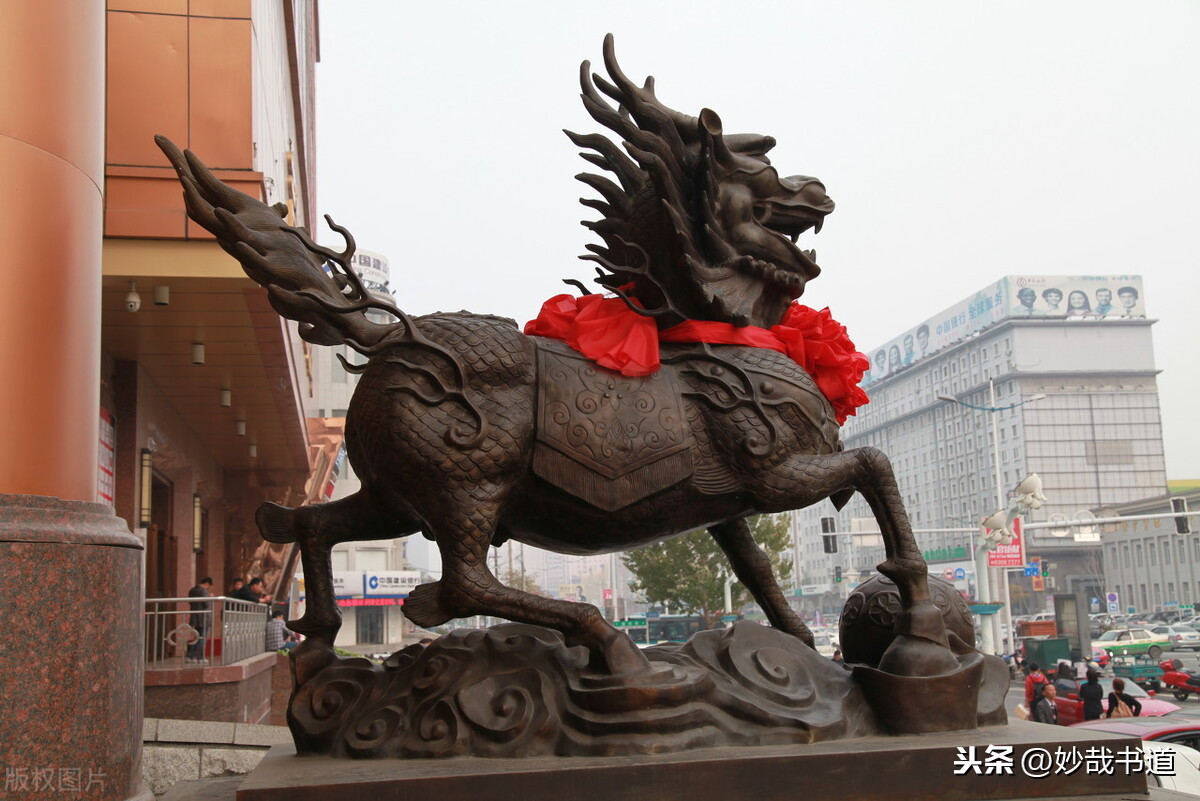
609, 333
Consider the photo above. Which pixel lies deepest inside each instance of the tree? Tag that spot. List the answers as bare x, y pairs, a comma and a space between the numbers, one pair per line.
687, 573
516, 580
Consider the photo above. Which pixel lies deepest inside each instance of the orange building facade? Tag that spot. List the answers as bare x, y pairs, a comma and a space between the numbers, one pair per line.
201, 381
140, 436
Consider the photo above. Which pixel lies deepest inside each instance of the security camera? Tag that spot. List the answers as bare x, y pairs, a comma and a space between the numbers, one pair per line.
133, 301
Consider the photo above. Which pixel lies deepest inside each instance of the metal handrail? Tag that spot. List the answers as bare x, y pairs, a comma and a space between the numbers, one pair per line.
205, 631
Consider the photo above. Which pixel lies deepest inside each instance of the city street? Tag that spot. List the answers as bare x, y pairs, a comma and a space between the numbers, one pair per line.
1190, 659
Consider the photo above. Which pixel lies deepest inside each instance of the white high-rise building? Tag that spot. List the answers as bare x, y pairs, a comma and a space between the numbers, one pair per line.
1095, 438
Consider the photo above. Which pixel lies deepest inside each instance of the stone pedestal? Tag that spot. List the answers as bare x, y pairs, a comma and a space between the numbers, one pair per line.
70, 652
912, 768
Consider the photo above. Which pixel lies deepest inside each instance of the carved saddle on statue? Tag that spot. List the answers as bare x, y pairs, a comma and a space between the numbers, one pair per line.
611, 439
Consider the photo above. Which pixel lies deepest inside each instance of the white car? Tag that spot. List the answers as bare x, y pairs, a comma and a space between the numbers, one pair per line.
1187, 768
824, 645
1181, 637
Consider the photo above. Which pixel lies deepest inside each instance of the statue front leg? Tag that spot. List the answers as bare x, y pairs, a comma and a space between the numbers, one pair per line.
753, 568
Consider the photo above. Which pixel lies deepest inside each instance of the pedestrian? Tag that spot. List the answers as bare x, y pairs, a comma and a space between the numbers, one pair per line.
252, 592
1045, 710
1064, 679
1092, 695
1033, 682
201, 611
1120, 703
276, 631
237, 586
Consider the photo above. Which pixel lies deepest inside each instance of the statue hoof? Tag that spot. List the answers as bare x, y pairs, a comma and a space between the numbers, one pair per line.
916, 656
275, 523
620, 657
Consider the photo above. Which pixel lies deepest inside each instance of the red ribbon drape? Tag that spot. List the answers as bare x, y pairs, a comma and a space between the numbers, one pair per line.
611, 334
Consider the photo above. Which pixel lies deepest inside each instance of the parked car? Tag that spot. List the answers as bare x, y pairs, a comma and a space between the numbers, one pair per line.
1131, 642
1181, 729
1181, 637
1070, 708
1186, 768
1100, 623
824, 645
1159, 734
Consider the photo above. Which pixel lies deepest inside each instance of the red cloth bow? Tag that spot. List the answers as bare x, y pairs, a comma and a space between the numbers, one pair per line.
608, 332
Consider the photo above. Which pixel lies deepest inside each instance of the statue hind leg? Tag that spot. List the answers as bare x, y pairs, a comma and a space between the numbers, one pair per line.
753, 568
317, 529
921, 646
467, 587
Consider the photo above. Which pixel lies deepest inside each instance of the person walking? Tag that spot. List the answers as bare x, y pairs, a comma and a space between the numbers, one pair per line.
1045, 710
1092, 695
276, 631
1120, 703
201, 612
1032, 682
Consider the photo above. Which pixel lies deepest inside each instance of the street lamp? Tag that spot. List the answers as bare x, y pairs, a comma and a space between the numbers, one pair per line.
983, 572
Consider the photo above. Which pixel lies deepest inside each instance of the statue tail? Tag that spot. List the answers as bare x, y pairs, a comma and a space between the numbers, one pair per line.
306, 282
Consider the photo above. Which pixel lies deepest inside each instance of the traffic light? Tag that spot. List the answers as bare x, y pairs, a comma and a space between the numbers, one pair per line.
837, 573
1045, 567
829, 534
1183, 523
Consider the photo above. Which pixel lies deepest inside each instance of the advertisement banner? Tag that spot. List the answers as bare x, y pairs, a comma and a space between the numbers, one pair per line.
1011, 555
1080, 297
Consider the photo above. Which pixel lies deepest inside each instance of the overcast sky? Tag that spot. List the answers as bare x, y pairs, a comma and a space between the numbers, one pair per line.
961, 141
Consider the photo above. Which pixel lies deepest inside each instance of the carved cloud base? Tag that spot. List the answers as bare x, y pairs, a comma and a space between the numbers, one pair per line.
517, 690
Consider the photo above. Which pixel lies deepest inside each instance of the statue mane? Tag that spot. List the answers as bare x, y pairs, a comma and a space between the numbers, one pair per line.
698, 225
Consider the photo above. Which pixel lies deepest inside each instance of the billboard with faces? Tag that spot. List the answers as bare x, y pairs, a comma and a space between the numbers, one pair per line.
1086, 297
1080, 296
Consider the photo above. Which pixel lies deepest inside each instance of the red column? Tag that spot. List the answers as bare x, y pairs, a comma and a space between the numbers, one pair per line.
52, 160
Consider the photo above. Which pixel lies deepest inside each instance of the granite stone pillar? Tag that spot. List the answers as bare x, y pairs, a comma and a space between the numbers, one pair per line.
70, 651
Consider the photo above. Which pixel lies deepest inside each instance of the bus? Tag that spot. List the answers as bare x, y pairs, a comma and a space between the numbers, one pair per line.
674, 628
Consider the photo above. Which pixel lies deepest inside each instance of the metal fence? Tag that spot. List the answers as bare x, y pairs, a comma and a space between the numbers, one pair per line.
194, 632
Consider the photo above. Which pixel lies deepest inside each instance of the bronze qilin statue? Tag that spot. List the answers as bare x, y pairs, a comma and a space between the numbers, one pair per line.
472, 432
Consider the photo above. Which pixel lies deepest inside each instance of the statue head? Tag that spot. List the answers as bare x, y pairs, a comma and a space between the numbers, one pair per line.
698, 225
